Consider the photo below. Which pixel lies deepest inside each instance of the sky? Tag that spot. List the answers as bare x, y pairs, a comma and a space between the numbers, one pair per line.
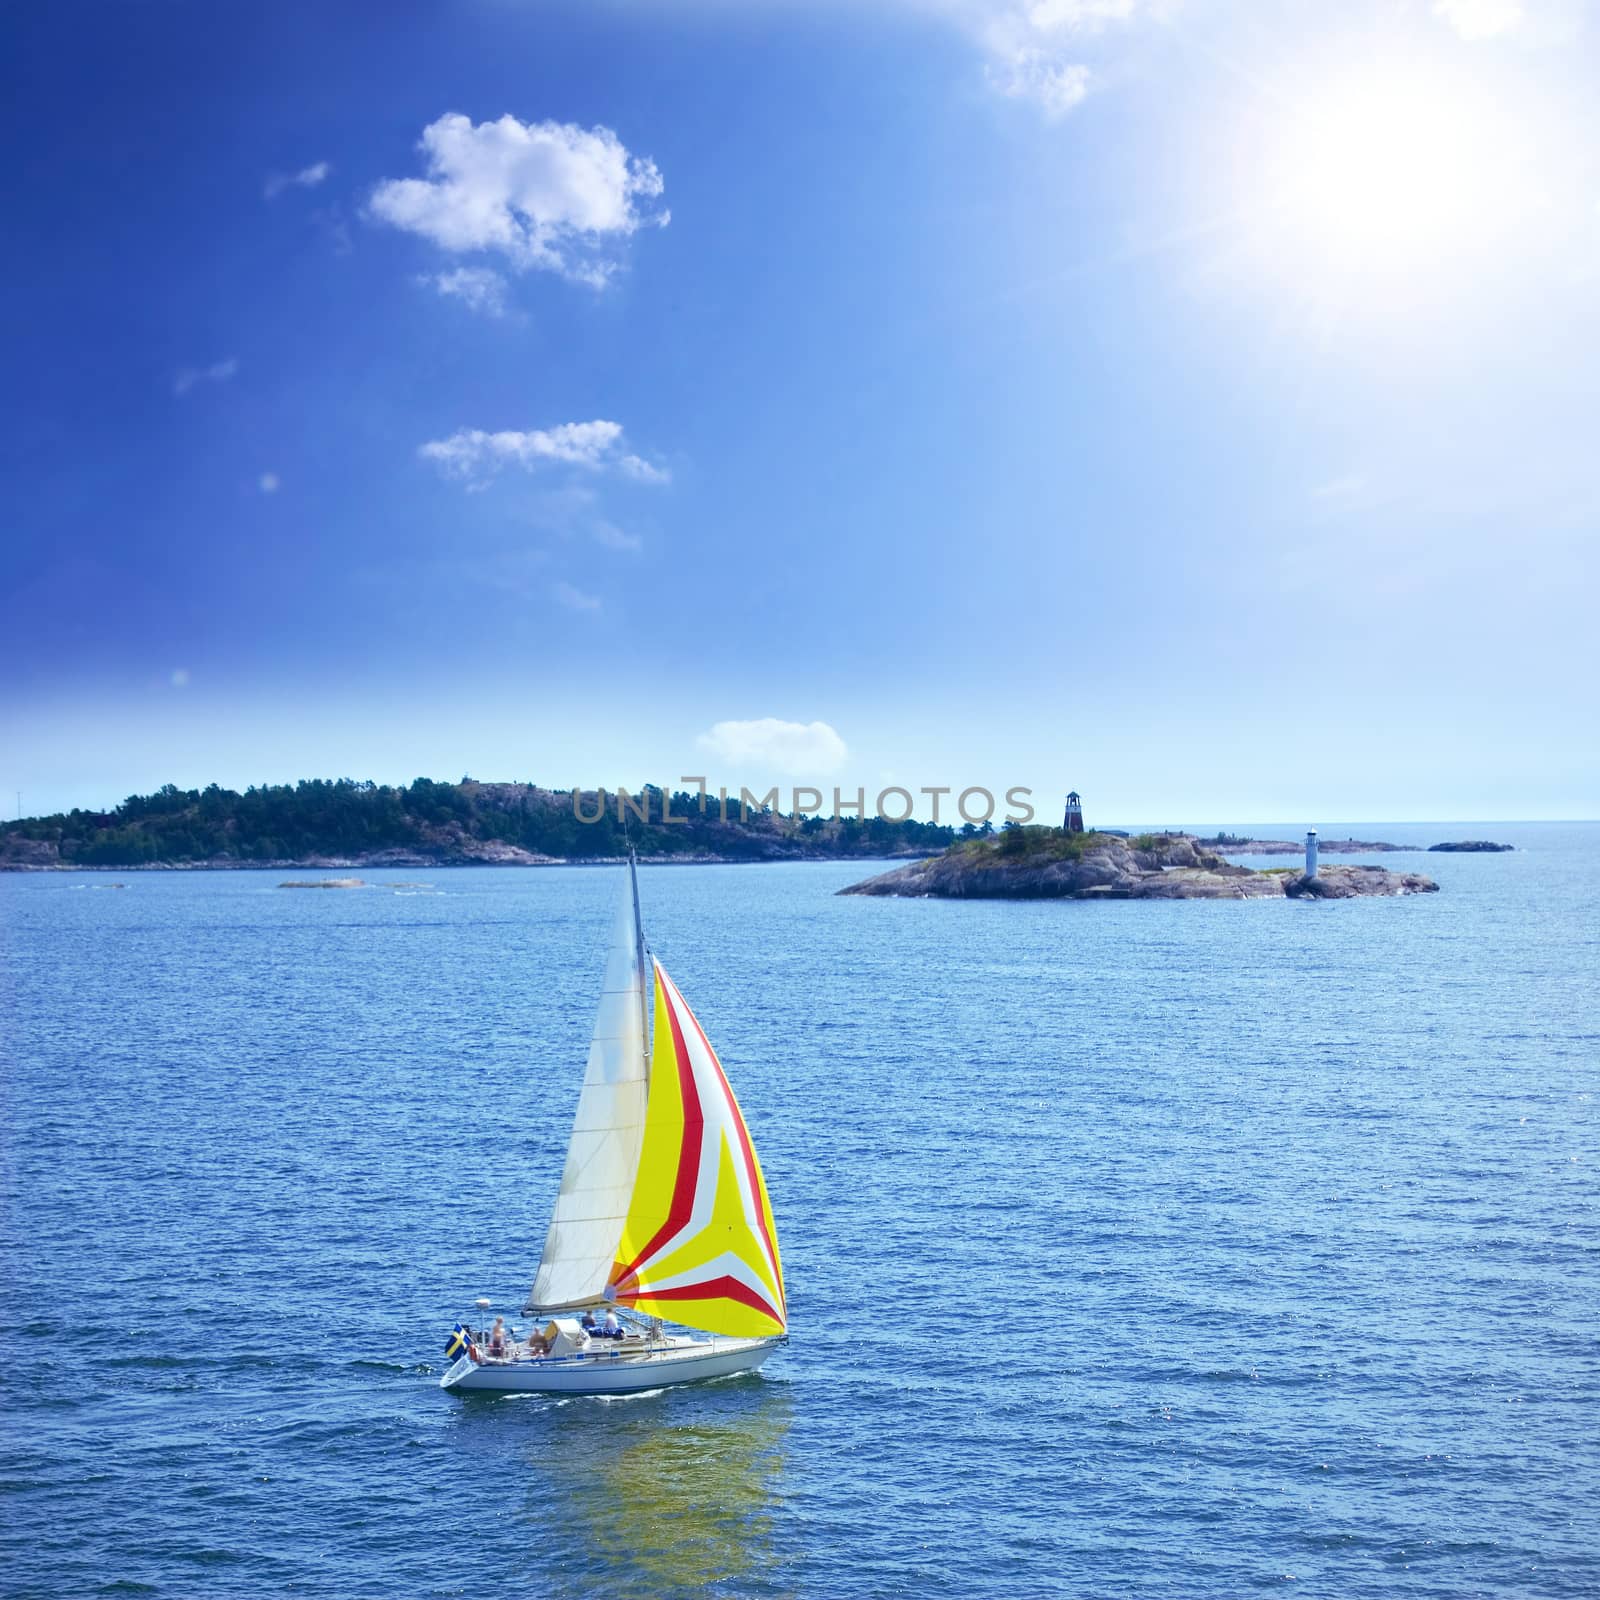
1193, 403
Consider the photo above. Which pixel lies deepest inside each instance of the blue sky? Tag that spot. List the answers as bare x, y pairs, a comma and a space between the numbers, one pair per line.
1193, 403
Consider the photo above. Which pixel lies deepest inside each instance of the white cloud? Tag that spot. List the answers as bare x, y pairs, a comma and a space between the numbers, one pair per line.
1481, 19
1035, 50
473, 454
800, 749
1056, 86
217, 372
643, 471
268, 483
305, 178
575, 599
478, 288
547, 195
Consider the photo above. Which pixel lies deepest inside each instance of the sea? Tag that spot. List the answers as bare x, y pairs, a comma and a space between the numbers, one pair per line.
1168, 1248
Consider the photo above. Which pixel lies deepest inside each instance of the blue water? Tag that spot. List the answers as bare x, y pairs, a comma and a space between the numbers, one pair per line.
1178, 1248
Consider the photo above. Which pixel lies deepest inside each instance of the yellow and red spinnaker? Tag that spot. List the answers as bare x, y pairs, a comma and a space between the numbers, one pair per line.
699, 1245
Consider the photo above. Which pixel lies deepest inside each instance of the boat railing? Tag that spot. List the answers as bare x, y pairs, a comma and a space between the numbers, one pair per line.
595, 1349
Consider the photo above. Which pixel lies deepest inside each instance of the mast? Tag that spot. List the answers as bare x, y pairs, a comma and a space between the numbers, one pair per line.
607, 1127
641, 959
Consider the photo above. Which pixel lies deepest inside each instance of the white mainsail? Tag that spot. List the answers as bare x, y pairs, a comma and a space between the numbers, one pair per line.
603, 1157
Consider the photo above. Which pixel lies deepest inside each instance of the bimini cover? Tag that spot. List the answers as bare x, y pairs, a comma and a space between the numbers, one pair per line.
564, 1336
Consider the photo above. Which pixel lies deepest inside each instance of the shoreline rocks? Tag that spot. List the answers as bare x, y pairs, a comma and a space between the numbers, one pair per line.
698, 858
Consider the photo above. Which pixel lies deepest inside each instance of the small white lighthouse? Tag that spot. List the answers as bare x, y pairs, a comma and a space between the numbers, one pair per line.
1311, 853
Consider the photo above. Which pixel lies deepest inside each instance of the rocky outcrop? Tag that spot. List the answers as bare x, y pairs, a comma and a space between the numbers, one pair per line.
1474, 847
1043, 864
492, 853
16, 851
1342, 883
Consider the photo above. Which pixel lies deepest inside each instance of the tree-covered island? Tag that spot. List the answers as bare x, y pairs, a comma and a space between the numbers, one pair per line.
342, 822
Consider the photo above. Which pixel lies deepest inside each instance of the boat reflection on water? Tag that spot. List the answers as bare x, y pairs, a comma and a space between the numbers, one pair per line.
668, 1493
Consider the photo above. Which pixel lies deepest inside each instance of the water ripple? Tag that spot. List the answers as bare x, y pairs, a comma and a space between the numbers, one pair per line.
1179, 1249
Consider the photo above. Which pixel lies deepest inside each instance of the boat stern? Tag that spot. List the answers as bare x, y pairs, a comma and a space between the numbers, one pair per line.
456, 1371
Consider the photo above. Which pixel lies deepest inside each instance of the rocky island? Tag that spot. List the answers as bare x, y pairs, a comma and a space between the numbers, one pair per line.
1048, 864
1474, 847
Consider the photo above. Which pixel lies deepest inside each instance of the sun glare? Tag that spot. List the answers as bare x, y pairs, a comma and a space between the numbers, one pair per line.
1384, 169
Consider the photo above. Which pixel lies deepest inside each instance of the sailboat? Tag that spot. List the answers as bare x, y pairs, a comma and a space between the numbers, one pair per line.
662, 1215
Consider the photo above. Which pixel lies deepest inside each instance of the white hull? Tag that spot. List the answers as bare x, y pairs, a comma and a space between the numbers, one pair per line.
610, 1371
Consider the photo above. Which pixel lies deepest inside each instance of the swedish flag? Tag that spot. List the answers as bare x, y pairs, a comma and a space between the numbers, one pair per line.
460, 1342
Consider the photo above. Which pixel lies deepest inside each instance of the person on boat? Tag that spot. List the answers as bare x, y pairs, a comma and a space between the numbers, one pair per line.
589, 1325
499, 1345
537, 1346
612, 1329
